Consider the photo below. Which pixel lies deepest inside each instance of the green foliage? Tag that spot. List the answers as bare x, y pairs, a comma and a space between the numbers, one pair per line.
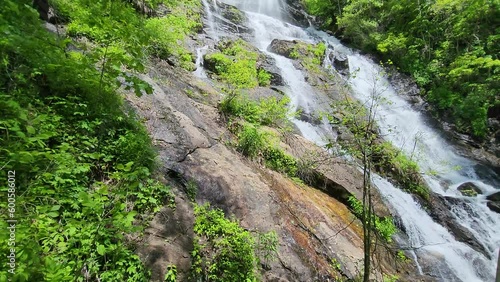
390, 278
171, 275
392, 161
168, 34
268, 111
383, 225
82, 163
278, 160
311, 56
236, 63
223, 250
402, 257
264, 77
191, 190
266, 248
335, 264
450, 47
252, 140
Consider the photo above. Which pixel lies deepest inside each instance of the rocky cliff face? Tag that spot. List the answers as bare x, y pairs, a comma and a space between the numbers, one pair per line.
313, 227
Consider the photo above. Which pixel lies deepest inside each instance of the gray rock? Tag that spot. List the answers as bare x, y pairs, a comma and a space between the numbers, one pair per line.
296, 13
494, 206
282, 47
495, 197
340, 62
230, 19
469, 189
269, 64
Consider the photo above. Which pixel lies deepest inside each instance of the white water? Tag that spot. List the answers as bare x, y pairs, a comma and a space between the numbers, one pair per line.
436, 249
406, 129
266, 7
212, 24
200, 71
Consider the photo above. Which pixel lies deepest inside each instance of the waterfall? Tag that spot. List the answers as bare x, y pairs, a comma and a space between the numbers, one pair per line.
436, 251
271, 8
212, 24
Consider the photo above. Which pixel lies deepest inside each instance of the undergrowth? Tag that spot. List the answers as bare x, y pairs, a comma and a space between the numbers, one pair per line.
236, 64
224, 251
248, 121
82, 166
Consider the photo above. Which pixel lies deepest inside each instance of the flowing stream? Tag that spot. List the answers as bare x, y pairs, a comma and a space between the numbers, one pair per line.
436, 252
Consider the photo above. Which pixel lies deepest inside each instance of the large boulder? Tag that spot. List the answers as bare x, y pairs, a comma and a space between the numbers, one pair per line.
269, 64
495, 197
284, 48
494, 206
230, 19
469, 189
494, 202
340, 62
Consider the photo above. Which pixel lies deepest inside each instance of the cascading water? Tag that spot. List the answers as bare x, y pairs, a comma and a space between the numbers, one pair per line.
271, 8
212, 24
435, 248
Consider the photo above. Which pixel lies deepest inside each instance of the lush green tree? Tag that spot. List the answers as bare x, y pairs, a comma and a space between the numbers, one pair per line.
450, 47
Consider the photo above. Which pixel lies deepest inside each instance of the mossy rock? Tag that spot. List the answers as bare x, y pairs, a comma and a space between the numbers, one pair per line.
296, 49
469, 189
234, 15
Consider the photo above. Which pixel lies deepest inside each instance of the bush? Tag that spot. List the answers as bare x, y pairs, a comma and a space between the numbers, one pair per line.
223, 250
280, 161
81, 163
390, 160
236, 64
252, 140
263, 77
269, 111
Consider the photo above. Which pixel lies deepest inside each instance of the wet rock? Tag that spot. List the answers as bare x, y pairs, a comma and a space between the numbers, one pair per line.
495, 197
340, 62
269, 64
309, 117
440, 211
469, 189
494, 202
283, 47
296, 13
230, 19
232, 13
494, 206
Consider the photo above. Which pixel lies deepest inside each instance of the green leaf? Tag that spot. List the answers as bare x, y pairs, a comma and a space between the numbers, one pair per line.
101, 249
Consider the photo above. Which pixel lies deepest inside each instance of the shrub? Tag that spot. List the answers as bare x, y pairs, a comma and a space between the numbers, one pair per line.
223, 250
263, 77
278, 160
269, 111
81, 162
252, 140
236, 64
